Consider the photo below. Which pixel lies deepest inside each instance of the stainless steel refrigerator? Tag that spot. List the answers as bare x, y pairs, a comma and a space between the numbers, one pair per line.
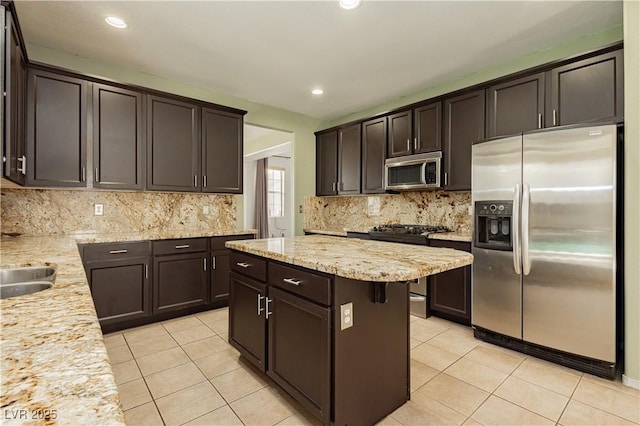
544, 272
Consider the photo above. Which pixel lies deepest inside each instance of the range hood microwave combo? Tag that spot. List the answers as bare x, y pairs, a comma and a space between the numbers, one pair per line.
413, 172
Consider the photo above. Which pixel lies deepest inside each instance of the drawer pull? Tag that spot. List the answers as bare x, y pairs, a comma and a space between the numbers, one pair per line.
117, 251
417, 298
182, 246
243, 264
292, 281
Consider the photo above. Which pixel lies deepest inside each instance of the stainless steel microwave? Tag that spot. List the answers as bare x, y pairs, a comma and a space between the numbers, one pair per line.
413, 172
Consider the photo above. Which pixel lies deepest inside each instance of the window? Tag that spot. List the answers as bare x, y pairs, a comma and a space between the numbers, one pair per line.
275, 191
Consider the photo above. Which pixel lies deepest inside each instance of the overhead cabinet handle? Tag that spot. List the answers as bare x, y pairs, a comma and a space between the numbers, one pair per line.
555, 117
292, 281
182, 246
243, 265
539, 121
415, 144
408, 144
117, 251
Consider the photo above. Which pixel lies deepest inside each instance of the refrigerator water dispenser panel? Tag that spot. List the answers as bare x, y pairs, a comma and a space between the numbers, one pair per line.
493, 224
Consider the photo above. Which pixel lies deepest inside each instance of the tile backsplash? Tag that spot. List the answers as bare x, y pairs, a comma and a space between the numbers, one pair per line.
352, 213
27, 211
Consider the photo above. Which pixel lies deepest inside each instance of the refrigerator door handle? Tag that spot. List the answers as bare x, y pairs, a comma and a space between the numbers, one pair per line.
516, 229
526, 202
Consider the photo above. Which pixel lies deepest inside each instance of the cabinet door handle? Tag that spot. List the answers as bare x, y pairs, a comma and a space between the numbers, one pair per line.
182, 246
539, 121
446, 179
23, 169
204, 262
267, 300
260, 308
96, 176
555, 117
292, 281
333, 187
341, 186
195, 181
204, 181
146, 271
84, 174
415, 144
243, 265
117, 251
213, 263
408, 144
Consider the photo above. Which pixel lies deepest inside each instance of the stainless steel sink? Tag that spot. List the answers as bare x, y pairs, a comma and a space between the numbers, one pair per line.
20, 289
20, 281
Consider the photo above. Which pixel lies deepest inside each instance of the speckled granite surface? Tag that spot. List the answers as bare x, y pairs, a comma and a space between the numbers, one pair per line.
53, 354
356, 259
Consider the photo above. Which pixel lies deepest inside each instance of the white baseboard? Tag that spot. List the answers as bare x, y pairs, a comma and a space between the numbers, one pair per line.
632, 383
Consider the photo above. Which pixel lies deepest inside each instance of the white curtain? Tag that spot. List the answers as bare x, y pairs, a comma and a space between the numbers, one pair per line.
260, 209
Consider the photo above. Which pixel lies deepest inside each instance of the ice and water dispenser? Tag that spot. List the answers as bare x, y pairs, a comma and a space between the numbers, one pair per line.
493, 223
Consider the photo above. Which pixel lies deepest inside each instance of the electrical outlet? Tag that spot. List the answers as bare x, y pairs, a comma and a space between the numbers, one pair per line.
300, 209
205, 209
98, 209
346, 316
373, 206
470, 210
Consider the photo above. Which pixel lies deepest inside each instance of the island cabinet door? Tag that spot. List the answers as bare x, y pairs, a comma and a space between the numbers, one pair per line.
299, 350
247, 326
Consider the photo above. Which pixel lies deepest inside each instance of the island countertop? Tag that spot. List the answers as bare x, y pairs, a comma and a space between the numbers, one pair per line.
357, 259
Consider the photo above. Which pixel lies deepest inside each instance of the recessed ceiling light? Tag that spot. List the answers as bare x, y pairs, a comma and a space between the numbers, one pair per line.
115, 22
317, 91
350, 4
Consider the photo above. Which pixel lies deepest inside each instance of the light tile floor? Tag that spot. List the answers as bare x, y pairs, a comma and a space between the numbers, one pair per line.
183, 371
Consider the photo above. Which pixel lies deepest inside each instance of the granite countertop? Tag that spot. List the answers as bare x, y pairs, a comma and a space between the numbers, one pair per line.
53, 353
450, 236
357, 259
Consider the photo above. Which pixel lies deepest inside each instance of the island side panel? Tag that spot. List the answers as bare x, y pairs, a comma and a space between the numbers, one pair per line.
371, 358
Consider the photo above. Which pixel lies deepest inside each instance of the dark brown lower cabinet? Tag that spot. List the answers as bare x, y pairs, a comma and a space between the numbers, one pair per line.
220, 268
180, 281
300, 337
247, 327
450, 291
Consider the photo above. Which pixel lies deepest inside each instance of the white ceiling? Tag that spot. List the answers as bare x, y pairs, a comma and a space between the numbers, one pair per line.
274, 53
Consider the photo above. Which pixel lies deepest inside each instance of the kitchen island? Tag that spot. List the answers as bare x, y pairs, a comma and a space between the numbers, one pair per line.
327, 318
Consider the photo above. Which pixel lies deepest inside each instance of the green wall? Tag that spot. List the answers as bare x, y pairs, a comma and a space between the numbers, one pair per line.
302, 126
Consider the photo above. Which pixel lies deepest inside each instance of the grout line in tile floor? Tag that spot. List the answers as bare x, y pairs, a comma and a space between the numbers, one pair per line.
460, 380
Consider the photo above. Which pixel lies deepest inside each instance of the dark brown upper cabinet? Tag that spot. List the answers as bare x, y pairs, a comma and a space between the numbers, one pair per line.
221, 151
349, 160
463, 125
427, 128
516, 106
173, 145
14, 149
327, 163
587, 90
118, 142
400, 134
374, 145
56, 129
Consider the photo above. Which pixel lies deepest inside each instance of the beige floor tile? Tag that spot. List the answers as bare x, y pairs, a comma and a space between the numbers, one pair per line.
188, 404
433, 356
224, 336
174, 379
125, 371
238, 383
220, 327
414, 318
114, 340
141, 348
134, 394
119, 354
300, 418
221, 416
425, 330
162, 360
414, 343
532, 397
182, 323
609, 400
497, 411
144, 415
422, 410
577, 414
145, 332
496, 359
479, 375
471, 422
214, 315
547, 376
421, 374
616, 385
454, 393
454, 341
264, 407
192, 334
388, 421
205, 347
219, 363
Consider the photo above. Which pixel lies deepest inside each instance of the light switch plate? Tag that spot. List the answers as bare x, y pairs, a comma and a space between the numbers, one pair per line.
373, 206
98, 209
346, 316
205, 209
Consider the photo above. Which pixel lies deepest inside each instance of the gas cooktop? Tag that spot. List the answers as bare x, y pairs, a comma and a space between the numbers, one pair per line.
409, 234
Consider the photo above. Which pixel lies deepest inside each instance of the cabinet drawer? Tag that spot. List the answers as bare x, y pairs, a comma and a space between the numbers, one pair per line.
115, 251
217, 243
312, 286
249, 265
187, 245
